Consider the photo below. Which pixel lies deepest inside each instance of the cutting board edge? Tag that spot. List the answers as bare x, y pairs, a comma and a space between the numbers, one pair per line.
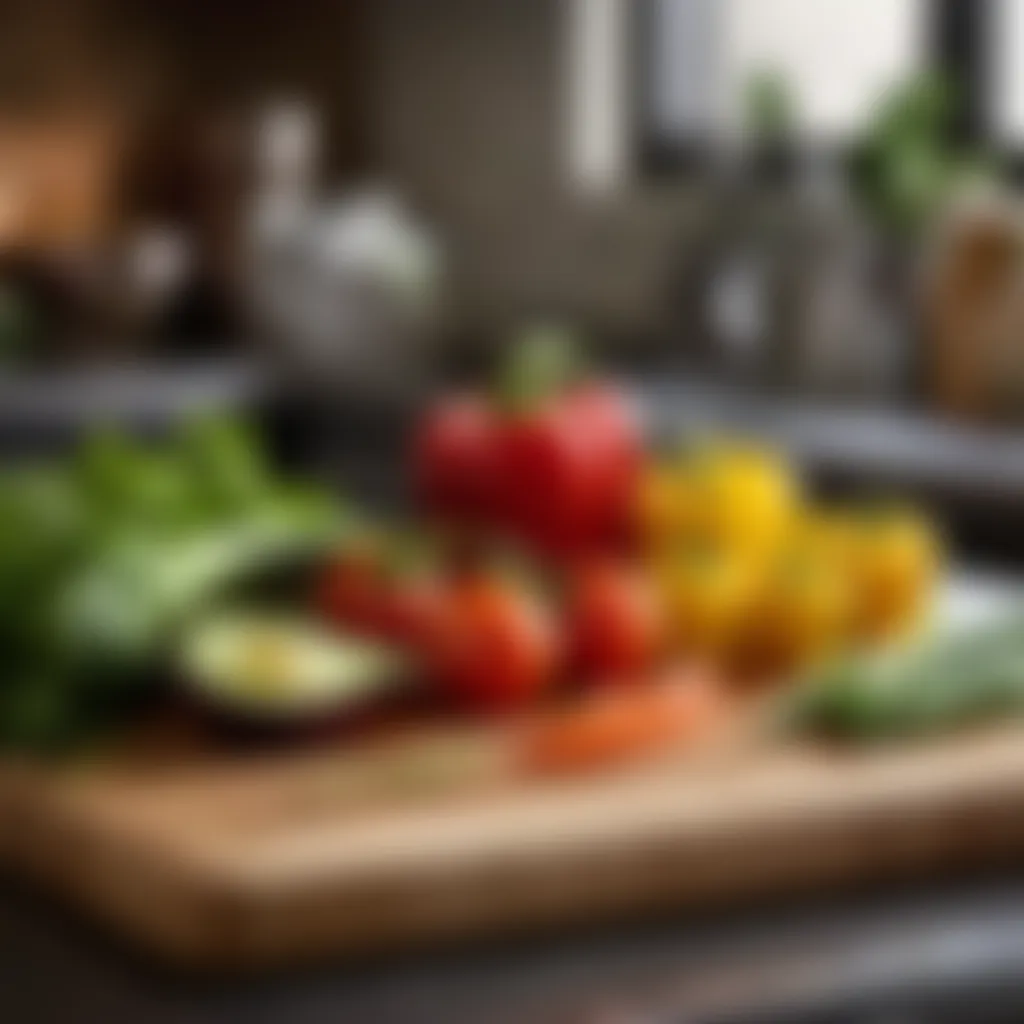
186, 903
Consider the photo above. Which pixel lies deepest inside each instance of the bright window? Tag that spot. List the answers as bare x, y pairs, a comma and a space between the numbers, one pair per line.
1005, 71
837, 55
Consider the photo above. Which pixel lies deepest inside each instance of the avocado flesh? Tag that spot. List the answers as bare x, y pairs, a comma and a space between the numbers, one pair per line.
265, 666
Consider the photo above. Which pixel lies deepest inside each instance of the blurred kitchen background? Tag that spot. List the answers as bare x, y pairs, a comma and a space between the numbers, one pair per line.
786, 217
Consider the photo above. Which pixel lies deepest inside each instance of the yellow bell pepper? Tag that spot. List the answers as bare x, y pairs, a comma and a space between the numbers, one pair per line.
797, 616
658, 511
737, 496
671, 502
705, 588
892, 557
752, 497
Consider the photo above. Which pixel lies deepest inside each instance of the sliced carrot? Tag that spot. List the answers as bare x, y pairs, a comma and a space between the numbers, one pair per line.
623, 723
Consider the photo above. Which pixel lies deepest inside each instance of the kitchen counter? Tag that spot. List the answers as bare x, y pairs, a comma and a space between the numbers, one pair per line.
942, 951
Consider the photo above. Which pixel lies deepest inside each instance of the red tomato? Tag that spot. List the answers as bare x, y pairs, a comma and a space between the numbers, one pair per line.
452, 458
409, 609
557, 472
547, 479
565, 469
494, 645
347, 592
616, 623
359, 595
609, 420
609, 410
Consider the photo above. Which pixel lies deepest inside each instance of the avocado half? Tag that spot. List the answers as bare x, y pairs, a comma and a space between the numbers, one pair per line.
269, 669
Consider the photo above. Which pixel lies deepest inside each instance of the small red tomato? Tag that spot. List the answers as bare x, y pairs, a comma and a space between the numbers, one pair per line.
348, 591
360, 594
494, 646
616, 623
408, 609
452, 458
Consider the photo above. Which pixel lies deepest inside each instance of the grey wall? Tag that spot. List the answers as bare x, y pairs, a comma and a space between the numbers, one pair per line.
467, 108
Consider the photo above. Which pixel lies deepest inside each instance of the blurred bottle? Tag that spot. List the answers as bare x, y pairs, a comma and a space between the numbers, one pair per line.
342, 291
853, 326
797, 292
181, 245
58, 166
279, 213
973, 299
745, 289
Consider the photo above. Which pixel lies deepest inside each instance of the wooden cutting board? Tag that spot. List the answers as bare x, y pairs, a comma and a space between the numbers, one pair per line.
240, 862
415, 837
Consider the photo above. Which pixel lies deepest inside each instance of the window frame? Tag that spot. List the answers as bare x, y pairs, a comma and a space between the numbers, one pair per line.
955, 33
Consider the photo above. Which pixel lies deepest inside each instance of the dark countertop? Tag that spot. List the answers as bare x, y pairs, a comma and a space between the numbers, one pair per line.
884, 444
937, 952
136, 393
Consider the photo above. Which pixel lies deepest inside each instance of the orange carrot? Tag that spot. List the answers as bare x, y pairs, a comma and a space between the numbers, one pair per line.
623, 723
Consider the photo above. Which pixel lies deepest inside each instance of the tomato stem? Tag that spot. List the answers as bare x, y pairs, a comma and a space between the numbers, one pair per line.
542, 361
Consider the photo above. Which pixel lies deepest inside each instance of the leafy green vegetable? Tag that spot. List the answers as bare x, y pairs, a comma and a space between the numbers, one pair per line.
938, 685
908, 164
226, 462
105, 555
